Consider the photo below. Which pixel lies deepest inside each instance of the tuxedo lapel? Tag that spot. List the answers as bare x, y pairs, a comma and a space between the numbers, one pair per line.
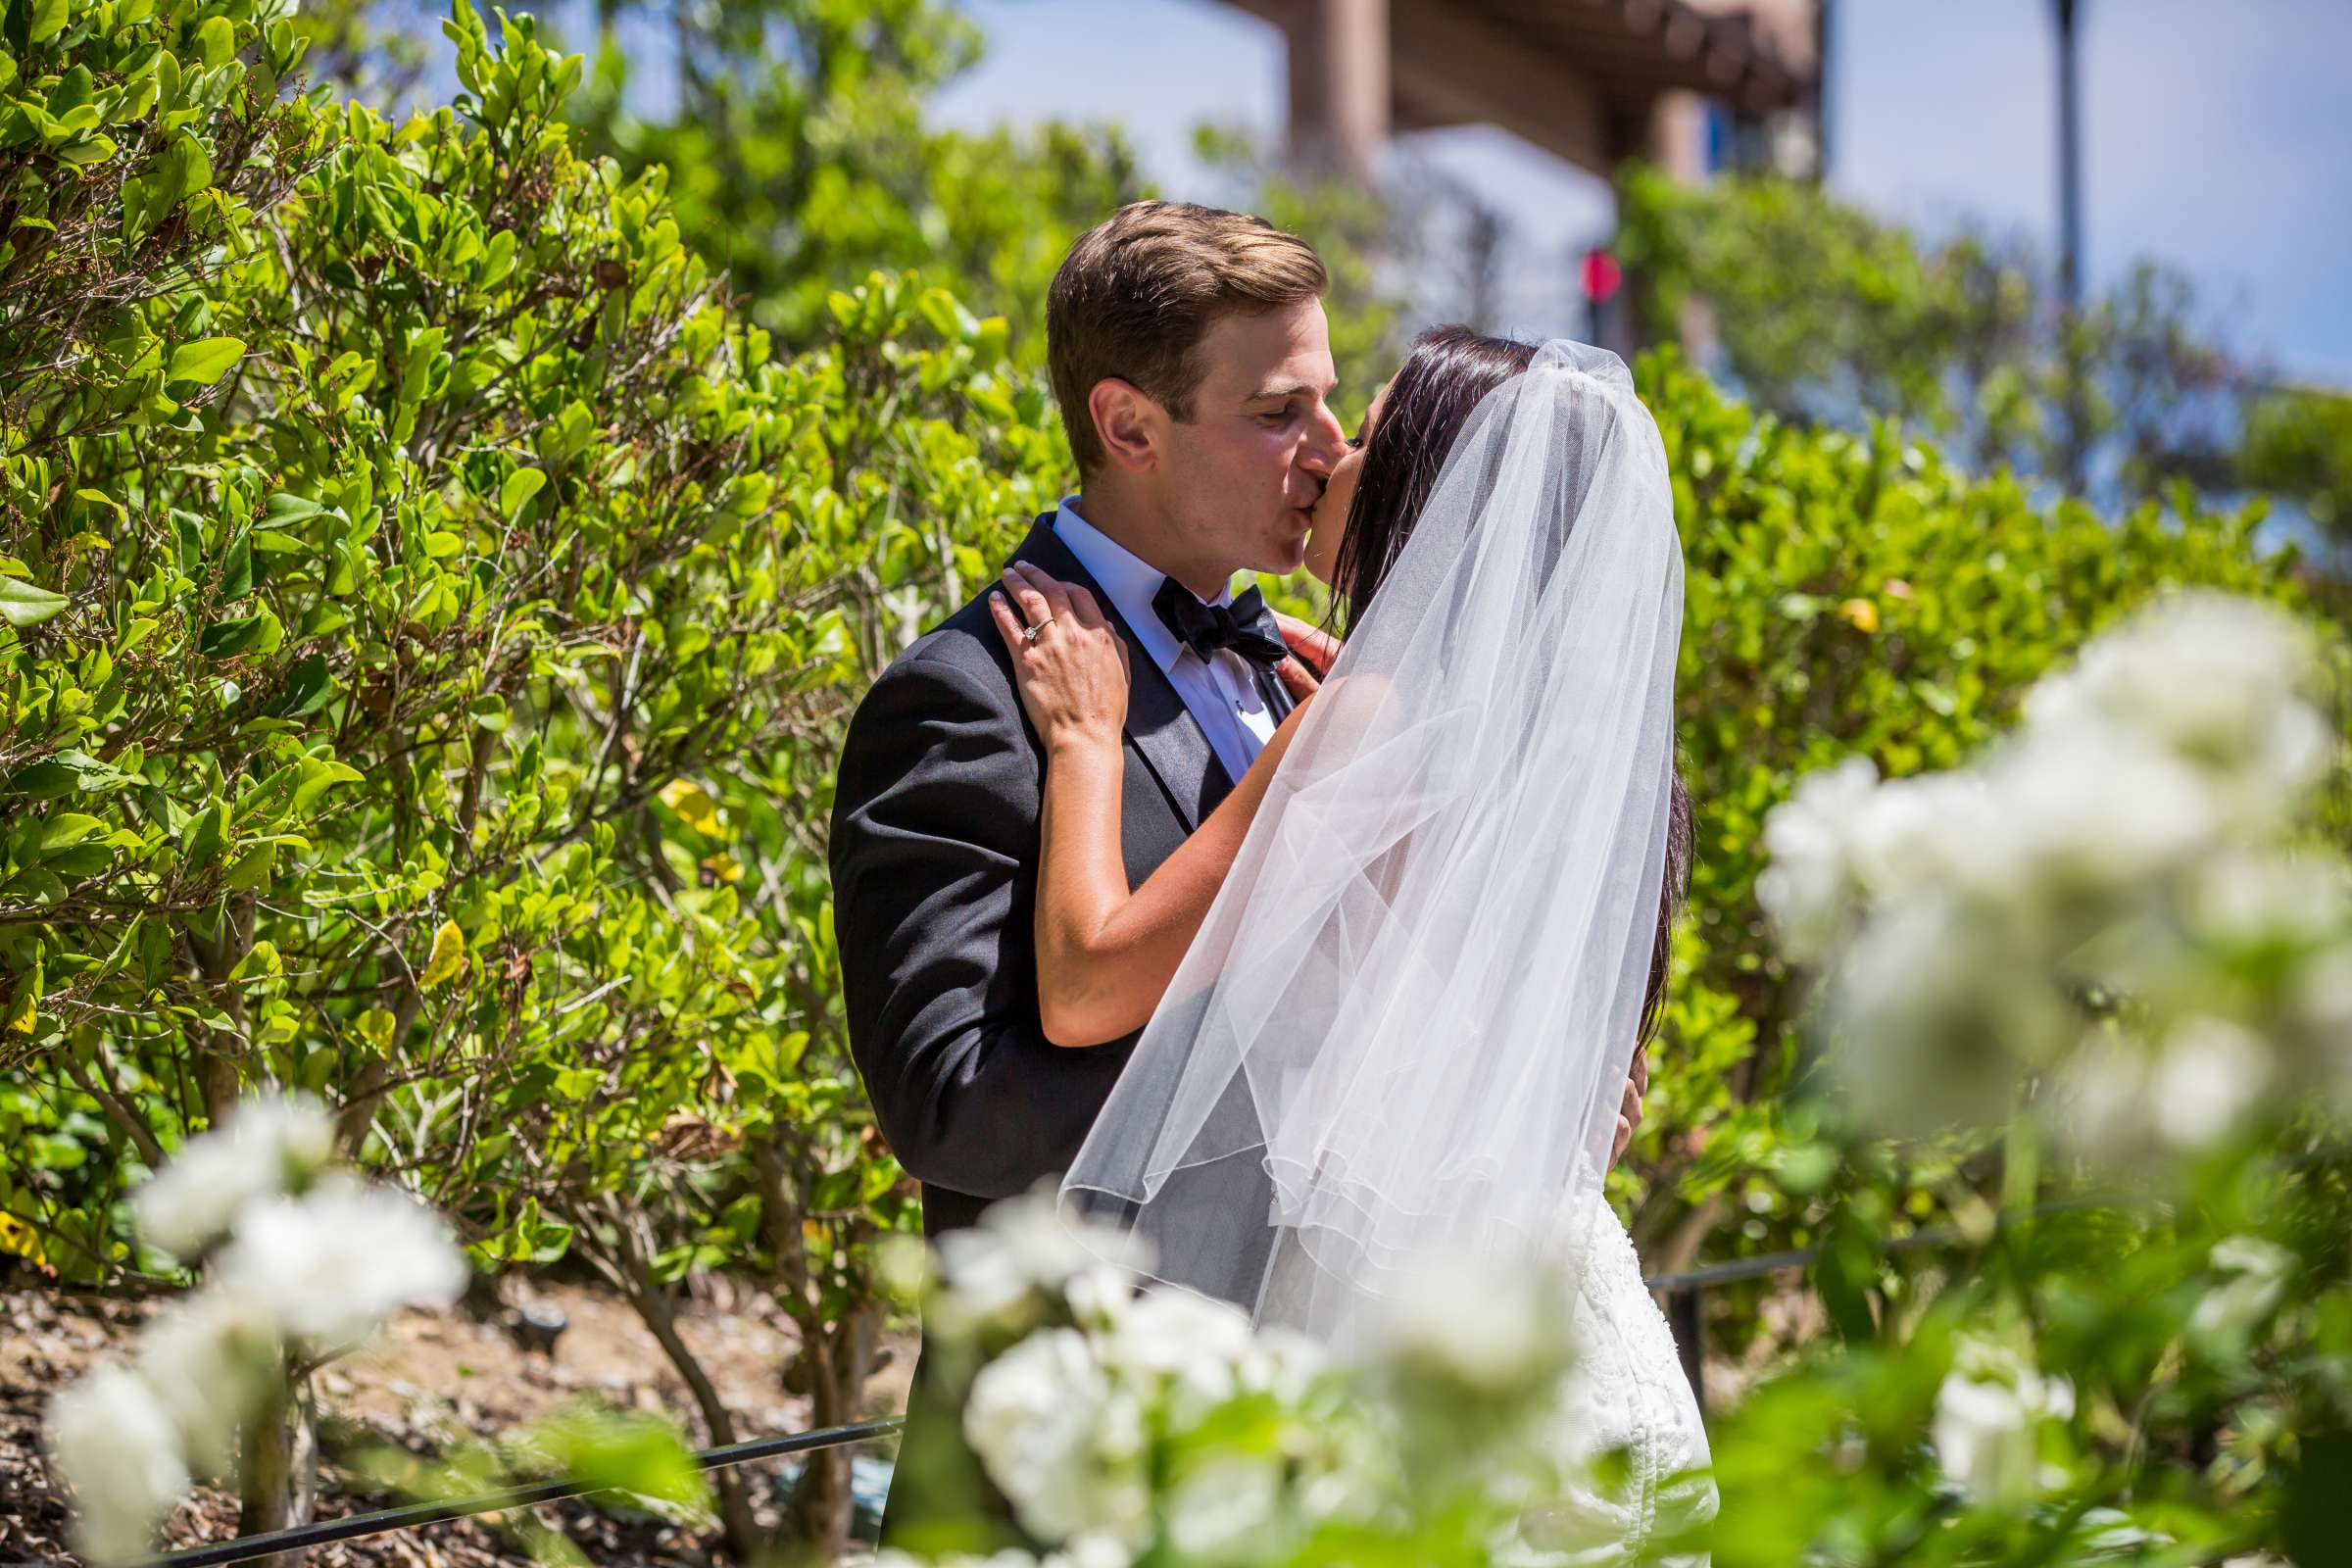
1160, 728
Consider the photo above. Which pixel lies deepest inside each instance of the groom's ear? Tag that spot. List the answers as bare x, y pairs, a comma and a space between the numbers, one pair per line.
1131, 426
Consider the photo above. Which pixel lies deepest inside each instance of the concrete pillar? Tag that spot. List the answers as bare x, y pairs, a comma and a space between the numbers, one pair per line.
1677, 135
1339, 60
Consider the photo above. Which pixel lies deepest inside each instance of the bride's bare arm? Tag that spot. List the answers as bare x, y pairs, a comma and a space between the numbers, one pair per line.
1104, 954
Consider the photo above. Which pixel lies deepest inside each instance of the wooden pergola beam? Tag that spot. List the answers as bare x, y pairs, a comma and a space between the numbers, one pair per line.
1584, 79
1452, 68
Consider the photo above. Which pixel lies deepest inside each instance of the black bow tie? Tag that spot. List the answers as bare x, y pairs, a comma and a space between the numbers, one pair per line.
1246, 625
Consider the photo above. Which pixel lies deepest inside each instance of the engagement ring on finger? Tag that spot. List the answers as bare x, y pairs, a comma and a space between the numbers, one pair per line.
1030, 635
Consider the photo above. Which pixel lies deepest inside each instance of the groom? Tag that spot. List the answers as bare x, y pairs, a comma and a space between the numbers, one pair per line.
1190, 359
1189, 353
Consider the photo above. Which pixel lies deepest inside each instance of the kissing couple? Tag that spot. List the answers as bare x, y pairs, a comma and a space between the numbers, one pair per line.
1309, 957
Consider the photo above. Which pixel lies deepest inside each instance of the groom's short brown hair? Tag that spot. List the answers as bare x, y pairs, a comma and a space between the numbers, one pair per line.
1137, 293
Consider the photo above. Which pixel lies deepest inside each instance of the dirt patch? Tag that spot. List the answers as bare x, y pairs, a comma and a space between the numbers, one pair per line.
432, 1377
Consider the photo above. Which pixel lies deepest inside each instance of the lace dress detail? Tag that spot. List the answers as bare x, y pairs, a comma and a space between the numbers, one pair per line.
1627, 1396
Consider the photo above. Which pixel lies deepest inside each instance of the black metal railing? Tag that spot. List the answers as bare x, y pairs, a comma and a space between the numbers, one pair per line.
245, 1548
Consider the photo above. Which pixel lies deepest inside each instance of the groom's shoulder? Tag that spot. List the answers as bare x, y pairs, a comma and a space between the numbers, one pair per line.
959, 663
965, 649
966, 643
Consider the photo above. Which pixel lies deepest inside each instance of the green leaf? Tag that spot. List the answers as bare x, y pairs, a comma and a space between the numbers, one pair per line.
206, 836
48, 17
308, 687
517, 492
35, 884
578, 1083
72, 90
64, 774
205, 360
287, 509
252, 868
224, 638
236, 568
631, 1453
68, 828
86, 859
489, 712
21, 604
215, 41
376, 1027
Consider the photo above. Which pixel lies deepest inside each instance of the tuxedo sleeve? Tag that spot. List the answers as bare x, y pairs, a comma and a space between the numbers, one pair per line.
933, 848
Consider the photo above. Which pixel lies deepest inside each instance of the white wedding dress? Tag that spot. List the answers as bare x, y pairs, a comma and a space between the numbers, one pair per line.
1626, 1395
1403, 1028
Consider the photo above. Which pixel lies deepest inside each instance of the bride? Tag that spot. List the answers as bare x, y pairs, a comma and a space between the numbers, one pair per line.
1393, 983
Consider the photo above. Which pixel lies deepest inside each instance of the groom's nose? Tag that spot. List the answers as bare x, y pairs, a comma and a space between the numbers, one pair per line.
1320, 452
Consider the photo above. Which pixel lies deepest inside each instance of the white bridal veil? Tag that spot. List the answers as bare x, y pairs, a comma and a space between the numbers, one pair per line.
1404, 1026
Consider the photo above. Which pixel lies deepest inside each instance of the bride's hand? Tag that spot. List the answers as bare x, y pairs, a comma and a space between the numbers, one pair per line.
1629, 1109
1072, 675
1313, 649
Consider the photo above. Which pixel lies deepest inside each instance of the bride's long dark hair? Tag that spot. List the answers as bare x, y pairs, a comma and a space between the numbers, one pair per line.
1449, 369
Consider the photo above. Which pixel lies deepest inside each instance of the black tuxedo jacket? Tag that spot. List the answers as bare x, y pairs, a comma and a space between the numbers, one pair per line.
934, 859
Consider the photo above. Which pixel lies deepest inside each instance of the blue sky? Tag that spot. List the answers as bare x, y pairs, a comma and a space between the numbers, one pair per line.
2217, 135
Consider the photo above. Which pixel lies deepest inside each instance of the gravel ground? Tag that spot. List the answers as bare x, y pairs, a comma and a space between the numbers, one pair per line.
432, 1376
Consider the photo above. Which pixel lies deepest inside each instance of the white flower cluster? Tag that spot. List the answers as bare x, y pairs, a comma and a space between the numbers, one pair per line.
1064, 1420
2114, 897
1005, 1273
1156, 1424
307, 1261
1989, 1416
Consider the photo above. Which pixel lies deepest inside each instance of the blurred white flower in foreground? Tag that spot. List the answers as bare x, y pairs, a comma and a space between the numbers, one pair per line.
1218, 1510
2215, 679
2128, 1100
2257, 1273
210, 1360
1988, 1415
1811, 882
308, 1260
1155, 1424
262, 1149
107, 1436
1023, 1251
2116, 896
1179, 1344
335, 1260
1088, 1551
1491, 1330
1060, 1440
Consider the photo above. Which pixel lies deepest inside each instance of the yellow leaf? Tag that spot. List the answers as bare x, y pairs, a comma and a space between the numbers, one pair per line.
25, 1007
376, 1027
20, 1239
723, 866
1859, 614
449, 955
687, 798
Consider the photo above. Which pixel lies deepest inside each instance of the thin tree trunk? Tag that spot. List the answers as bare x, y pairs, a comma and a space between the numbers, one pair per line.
745, 1541
836, 1359
278, 1488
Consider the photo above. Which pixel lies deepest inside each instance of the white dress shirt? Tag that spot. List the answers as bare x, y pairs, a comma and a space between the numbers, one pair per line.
1221, 693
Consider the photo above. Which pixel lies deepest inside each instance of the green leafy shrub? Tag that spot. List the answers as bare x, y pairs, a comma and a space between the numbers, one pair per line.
429, 613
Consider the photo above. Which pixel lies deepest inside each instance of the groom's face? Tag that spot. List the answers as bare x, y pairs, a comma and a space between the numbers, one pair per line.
1251, 462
